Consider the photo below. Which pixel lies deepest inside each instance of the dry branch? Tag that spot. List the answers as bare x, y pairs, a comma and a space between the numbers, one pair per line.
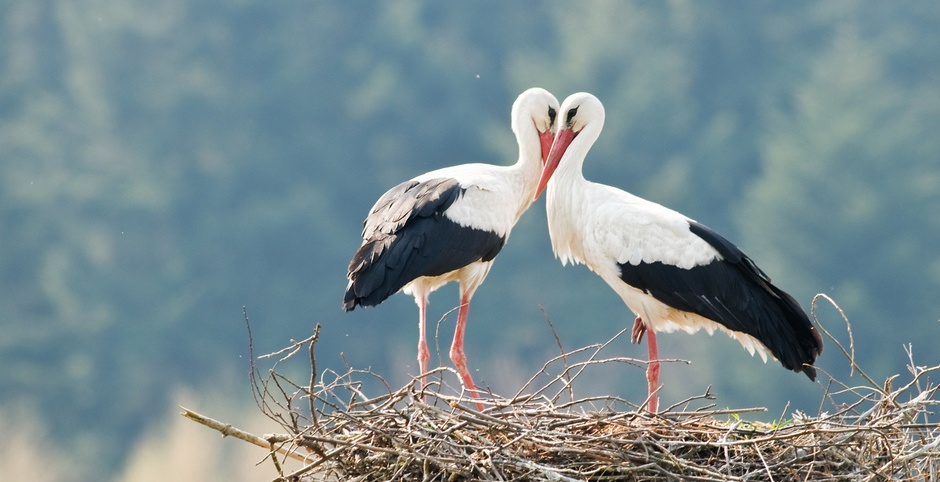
274, 443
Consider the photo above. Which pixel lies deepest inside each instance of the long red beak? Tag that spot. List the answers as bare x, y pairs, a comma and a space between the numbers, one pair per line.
562, 141
545, 139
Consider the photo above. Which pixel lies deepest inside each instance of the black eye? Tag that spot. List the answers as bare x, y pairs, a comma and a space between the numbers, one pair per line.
571, 114
551, 115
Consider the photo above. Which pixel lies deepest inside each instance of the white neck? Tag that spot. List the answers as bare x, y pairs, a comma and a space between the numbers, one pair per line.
564, 202
529, 166
569, 171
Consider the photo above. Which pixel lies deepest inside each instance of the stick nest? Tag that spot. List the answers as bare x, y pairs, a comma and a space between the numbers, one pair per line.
875, 432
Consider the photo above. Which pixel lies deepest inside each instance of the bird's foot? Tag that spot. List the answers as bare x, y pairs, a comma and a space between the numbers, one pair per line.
636, 335
471, 387
460, 363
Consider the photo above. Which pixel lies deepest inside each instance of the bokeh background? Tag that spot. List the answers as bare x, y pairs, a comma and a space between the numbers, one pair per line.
165, 164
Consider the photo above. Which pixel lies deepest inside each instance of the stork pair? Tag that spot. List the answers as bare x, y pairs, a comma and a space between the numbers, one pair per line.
672, 272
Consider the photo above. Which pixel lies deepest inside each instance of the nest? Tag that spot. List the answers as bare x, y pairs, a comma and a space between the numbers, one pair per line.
876, 432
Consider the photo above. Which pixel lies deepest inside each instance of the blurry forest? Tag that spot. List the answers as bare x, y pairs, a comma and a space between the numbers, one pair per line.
163, 164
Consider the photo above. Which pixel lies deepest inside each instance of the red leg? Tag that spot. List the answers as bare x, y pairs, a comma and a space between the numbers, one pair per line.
652, 372
456, 349
423, 354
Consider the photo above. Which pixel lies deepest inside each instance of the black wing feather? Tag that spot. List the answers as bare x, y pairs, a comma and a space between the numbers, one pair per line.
406, 236
734, 292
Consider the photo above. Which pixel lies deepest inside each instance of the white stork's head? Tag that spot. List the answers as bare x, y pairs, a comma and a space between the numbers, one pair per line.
580, 113
539, 108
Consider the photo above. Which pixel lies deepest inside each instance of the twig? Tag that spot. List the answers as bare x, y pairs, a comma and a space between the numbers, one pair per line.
227, 430
851, 356
313, 376
561, 350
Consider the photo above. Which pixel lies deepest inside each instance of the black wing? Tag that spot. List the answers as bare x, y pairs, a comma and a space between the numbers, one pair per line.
734, 292
407, 235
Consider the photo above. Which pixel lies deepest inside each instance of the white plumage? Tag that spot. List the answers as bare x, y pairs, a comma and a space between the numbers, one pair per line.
494, 196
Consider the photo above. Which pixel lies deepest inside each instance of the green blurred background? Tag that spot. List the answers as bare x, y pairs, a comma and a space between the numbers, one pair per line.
163, 164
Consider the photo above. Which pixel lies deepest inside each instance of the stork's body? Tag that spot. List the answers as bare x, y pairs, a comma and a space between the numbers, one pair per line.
449, 225
672, 272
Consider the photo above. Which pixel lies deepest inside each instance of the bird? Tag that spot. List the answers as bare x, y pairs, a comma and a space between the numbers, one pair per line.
673, 272
448, 225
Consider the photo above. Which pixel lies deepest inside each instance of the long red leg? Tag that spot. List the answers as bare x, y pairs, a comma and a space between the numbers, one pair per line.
423, 354
456, 349
652, 371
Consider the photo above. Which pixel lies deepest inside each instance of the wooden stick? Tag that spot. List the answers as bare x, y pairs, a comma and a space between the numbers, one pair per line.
227, 430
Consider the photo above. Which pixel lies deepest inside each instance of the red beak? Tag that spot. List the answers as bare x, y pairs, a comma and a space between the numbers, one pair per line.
545, 139
562, 141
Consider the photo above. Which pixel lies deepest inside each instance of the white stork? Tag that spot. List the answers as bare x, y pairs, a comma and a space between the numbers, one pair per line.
671, 271
449, 225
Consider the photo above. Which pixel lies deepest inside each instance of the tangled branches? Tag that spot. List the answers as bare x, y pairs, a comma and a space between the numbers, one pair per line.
545, 433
